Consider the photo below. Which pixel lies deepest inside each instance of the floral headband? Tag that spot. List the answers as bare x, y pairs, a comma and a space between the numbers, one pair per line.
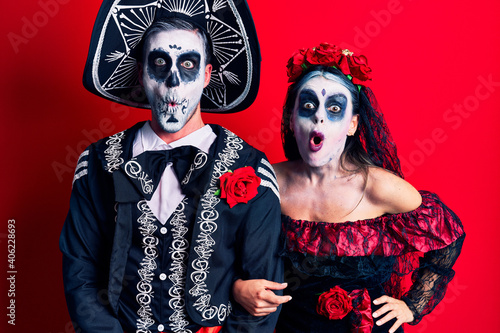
354, 67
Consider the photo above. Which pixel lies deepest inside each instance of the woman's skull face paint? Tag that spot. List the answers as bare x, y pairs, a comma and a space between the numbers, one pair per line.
174, 76
321, 119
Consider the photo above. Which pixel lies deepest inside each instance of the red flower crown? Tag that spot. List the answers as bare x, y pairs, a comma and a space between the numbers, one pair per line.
354, 67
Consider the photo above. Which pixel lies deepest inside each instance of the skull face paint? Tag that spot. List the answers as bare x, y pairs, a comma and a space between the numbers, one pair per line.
321, 119
173, 76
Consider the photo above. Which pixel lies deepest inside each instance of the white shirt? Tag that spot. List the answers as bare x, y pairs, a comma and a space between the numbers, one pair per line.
168, 195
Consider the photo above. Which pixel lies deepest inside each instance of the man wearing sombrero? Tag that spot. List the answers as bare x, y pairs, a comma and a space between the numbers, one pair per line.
166, 215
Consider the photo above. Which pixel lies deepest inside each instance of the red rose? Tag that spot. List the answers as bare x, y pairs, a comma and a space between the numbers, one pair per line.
334, 304
239, 186
344, 65
327, 47
325, 54
294, 66
360, 71
355, 67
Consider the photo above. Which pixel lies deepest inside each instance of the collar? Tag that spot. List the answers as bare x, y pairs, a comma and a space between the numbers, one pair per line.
147, 140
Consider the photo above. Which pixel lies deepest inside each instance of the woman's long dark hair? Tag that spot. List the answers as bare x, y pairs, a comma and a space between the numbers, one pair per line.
371, 144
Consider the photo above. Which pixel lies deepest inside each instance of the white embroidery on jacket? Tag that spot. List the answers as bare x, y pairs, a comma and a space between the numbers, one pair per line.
134, 170
268, 177
179, 252
208, 225
199, 162
114, 151
82, 166
147, 267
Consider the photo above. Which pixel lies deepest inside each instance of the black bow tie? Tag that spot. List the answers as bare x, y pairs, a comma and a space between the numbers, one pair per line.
146, 169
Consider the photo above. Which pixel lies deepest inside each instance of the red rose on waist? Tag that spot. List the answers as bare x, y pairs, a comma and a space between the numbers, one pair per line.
334, 304
239, 186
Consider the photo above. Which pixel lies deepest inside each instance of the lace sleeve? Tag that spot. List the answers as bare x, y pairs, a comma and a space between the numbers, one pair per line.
431, 279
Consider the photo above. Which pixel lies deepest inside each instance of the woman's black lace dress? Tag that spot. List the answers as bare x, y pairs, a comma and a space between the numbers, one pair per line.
368, 259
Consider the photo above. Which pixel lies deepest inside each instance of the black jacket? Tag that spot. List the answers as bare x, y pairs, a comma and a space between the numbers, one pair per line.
227, 243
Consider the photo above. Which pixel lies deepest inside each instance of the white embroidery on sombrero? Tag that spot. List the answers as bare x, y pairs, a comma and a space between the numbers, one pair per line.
117, 55
227, 45
215, 89
218, 4
125, 75
186, 7
133, 21
227, 42
231, 77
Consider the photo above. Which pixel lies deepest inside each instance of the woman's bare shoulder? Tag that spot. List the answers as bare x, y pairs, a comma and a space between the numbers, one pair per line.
391, 192
285, 172
280, 166
284, 168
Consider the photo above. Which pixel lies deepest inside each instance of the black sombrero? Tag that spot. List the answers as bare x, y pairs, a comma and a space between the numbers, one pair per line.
111, 67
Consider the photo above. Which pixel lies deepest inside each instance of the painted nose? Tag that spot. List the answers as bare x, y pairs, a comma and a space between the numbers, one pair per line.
172, 79
318, 118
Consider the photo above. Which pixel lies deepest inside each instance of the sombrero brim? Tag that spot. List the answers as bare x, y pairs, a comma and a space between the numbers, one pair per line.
111, 67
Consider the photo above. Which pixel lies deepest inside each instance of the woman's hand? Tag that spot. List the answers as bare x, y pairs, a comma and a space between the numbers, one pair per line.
394, 308
257, 296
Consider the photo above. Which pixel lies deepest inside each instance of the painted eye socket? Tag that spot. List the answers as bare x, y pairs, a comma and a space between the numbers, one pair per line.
187, 64
160, 62
334, 108
309, 106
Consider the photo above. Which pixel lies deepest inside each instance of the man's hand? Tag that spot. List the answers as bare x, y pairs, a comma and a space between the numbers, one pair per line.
257, 296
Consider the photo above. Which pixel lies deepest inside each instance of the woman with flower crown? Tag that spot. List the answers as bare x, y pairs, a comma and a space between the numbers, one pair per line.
353, 227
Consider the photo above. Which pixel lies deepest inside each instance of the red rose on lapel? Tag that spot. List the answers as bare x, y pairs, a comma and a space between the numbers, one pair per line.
334, 304
239, 186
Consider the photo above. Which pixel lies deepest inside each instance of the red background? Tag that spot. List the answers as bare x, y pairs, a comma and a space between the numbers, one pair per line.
429, 59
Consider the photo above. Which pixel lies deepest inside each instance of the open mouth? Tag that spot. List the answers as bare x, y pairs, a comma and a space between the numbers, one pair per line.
316, 141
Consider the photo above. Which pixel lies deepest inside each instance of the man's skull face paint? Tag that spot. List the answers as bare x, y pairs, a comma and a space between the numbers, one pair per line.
321, 119
174, 76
